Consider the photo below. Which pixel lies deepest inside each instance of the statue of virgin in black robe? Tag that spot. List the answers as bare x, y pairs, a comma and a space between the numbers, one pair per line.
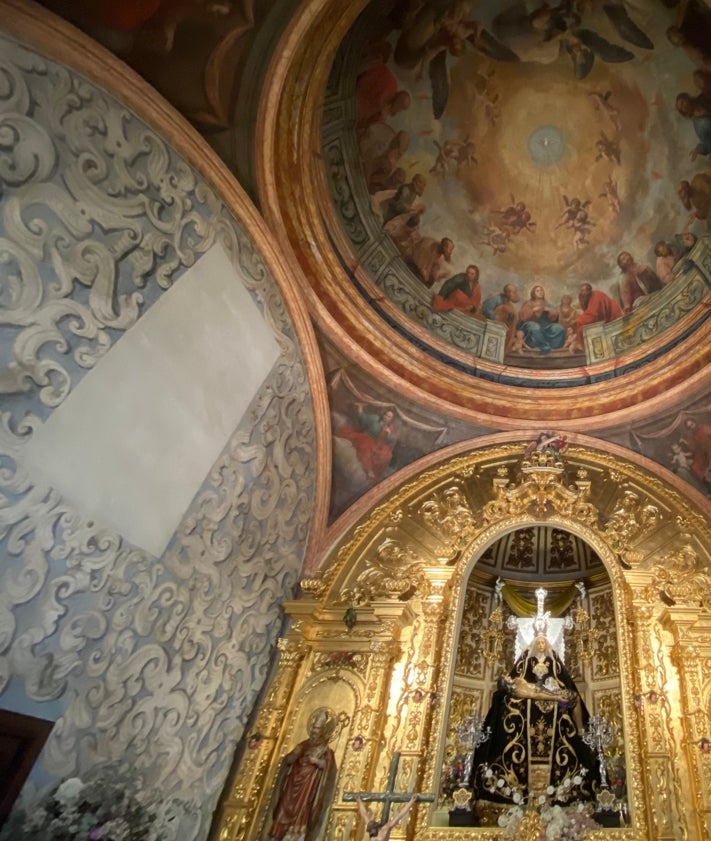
536, 720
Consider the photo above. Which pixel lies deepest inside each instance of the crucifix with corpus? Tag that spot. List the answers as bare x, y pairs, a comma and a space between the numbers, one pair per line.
380, 830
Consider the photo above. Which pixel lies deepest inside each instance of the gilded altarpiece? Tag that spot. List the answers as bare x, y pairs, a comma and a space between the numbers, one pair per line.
381, 640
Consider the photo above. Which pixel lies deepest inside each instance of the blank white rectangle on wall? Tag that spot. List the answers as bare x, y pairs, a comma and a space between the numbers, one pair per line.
134, 440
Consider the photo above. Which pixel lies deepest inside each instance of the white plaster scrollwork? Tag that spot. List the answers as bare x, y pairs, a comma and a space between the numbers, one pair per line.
161, 658
101, 204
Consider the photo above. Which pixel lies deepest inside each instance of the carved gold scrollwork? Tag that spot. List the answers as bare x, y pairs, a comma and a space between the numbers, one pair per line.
680, 579
604, 640
493, 635
448, 514
472, 648
631, 518
338, 660
540, 490
286, 647
608, 702
314, 586
394, 572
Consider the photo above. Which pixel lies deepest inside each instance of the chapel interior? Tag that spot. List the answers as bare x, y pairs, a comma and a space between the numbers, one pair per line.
355, 417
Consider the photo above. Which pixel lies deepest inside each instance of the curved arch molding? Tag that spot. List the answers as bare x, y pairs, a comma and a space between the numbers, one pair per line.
308, 198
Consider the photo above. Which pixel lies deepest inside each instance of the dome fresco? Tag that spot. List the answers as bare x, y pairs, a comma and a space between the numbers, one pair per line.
528, 183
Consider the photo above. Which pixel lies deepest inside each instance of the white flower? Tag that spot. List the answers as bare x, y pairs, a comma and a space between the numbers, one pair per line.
517, 797
500, 783
116, 828
553, 830
511, 818
69, 790
541, 799
488, 773
550, 790
577, 779
35, 818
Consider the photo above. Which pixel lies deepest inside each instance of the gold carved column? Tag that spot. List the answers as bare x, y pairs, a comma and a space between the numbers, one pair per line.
238, 812
415, 699
691, 655
376, 637
659, 801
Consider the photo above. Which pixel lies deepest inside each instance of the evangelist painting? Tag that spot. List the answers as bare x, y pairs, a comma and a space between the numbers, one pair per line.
376, 432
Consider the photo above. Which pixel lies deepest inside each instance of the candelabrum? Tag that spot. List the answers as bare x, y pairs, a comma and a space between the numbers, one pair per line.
598, 736
471, 733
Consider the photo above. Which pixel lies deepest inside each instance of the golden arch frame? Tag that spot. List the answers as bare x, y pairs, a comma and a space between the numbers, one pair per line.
401, 569
621, 601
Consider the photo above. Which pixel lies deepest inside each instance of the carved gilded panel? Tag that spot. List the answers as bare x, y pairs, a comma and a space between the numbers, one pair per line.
627, 671
605, 660
470, 652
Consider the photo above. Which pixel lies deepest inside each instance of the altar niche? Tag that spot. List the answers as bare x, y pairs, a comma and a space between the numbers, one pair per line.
534, 715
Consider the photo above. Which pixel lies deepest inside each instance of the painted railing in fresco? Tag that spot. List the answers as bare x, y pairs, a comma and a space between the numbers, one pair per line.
656, 314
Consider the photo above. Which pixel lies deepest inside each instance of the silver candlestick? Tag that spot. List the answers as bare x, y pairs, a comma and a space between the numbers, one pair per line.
471, 733
598, 736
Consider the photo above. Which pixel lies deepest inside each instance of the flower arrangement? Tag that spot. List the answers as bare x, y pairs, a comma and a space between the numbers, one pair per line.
96, 810
552, 822
568, 788
547, 817
453, 776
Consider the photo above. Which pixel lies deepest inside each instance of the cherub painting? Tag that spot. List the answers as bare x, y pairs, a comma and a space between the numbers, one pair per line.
681, 443
548, 442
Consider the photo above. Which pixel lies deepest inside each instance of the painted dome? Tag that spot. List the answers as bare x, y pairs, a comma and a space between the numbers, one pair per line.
526, 187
